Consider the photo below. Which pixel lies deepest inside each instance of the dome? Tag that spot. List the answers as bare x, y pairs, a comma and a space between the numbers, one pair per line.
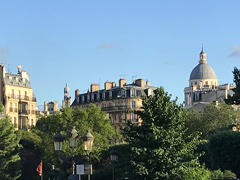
203, 71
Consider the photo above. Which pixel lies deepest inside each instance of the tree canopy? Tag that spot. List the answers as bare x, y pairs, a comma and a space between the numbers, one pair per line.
159, 147
9, 151
235, 98
212, 119
63, 121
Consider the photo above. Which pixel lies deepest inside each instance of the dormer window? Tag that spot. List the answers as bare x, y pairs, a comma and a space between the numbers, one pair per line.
110, 94
133, 92
103, 95
123, 92
98, 96
88, 97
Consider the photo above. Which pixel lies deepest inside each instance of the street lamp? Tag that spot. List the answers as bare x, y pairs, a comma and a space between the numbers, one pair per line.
58, 141
73, 138
73, 143
113, 158
88, 139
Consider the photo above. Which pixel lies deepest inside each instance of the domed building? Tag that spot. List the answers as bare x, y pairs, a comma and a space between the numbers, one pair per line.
203, 86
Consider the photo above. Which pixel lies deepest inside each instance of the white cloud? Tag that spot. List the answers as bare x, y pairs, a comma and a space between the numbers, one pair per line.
106, 46
235, 50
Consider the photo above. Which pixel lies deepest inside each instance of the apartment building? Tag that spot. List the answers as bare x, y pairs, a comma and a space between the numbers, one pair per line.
16, 94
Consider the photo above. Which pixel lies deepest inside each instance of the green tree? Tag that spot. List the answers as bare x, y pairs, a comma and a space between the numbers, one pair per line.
159, 147
9, 151
91, 118
211, 119
224, 151
235, 98
30, 154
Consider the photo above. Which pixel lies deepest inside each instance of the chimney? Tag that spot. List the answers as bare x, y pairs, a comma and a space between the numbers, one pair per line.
140, 82
19, 69
77, 92
147, 83
94, 87
122, 82
107, 85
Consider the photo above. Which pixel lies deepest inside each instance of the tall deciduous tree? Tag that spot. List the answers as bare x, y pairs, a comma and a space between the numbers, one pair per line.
9, 151
235, 98
160, 149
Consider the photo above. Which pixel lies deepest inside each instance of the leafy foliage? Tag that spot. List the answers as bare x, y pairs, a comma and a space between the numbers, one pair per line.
224, 151
160, 149
212, 119
91, 118
30, 155
9, 150
235, 99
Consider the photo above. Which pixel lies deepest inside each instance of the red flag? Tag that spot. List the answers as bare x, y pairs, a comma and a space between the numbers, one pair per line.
39, 169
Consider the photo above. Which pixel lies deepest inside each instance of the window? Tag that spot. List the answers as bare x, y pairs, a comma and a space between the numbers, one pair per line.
110, 94
92, 97
88, 97
133, 104
133, 117
82, 99
98, 96
133, 92
103, 95
123, 93
191, 83
10, 107
12, 96
195, 82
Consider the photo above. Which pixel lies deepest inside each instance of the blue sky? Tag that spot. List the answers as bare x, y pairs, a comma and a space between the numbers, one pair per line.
82, 42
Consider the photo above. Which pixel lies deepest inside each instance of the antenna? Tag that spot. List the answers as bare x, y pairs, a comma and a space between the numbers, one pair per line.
9, 68
99, 81
202, 46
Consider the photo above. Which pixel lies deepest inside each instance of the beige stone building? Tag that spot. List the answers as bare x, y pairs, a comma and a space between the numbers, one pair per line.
120, 102
203, 86
17, 97
50, 108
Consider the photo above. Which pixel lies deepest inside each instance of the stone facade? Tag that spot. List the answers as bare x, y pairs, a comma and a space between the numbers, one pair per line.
17, 97
203, 86
120, 102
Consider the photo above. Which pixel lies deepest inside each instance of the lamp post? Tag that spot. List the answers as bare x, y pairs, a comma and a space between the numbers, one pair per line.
73, 143
113, 158
58, 143
88, 139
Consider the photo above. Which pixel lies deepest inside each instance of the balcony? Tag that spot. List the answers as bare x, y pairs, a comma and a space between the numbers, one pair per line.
121, 108
25, 98
23, 111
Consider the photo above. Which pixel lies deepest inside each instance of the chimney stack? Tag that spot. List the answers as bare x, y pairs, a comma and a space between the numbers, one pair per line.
122, 82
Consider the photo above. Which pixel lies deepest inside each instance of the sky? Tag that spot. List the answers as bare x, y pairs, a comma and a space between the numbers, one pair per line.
80, 42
